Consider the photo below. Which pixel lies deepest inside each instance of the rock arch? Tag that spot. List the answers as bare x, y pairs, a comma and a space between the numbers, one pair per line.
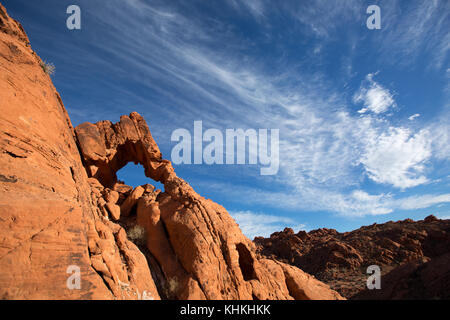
198, 245
108, 147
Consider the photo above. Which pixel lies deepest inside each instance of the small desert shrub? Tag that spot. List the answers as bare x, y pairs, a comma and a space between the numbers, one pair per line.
171, 288
136, 234
49, 68
173, 285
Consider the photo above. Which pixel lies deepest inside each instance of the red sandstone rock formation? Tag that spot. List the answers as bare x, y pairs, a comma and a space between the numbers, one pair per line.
59, 208
341, 259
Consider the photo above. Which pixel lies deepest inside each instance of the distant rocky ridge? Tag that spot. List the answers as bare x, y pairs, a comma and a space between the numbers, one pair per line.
61, 205
414, 257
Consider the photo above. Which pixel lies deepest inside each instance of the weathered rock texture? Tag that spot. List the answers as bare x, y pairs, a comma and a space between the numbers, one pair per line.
60, 209
423, 278
341, 259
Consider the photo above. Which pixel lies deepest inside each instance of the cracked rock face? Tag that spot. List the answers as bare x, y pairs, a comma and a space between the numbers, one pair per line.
61, 205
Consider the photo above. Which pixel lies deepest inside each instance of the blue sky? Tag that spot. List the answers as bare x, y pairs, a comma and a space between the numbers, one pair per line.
364, 115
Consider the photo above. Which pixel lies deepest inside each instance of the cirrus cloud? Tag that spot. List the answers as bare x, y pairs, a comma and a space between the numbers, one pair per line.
256, 224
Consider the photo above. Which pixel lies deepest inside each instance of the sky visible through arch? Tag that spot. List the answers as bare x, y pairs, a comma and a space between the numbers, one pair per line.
364, 115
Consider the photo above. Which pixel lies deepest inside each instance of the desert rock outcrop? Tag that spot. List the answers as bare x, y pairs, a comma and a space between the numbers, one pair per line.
423, 278
341, 259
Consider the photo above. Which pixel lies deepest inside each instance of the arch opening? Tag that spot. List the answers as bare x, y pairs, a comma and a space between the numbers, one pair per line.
134, 175
246, 262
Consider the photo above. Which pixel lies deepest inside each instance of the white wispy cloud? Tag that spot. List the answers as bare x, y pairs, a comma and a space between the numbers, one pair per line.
256, 224
326, 17
255, 7
398, 157
356, 203
440, 131
322, 142
409, 31
387, 203
421, 202
375, 97
414, 116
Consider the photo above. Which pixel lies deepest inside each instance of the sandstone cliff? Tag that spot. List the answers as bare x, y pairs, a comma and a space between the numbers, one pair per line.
61, 205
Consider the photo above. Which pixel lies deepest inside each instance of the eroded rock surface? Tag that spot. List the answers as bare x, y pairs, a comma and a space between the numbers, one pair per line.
424, 278
341, 259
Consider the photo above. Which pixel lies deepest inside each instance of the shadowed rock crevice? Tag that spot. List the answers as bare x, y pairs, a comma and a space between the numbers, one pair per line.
246, 262
157, 273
